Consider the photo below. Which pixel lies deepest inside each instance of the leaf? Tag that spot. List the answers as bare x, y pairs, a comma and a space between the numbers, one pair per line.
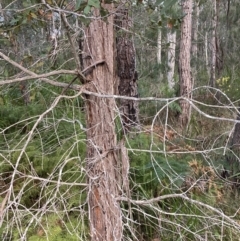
94, 3
50, 2
13, 21
33, 15
26, 4
78, 4
87, 9
159, 2
169, 3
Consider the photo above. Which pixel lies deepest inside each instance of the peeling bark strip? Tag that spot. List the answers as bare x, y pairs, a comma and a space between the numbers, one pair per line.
126, 68
104, 171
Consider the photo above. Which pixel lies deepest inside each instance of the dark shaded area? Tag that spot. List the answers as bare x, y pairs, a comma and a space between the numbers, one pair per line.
126, 69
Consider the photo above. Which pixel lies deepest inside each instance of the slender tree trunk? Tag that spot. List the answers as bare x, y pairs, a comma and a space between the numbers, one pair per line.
213, 45
103, 165
171, 39
195, 32
159, 46
206, 54
184, 61
233, 164
126, 66
235, 142
2, 19
219, 50
194, 50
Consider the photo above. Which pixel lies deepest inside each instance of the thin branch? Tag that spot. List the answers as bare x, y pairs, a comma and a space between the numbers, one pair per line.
5, 57
31, 133
56, 182
184, 197
68, 28
43, 76
40, 76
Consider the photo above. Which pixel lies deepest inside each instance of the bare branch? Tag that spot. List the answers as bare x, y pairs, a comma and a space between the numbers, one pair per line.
184, 197
44, 76
5, 57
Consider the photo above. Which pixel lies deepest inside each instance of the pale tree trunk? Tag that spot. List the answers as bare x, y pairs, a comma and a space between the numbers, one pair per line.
159, 46
184, 61
2, 19
206, 53
213, 44
171, 39
126, 66
103, 158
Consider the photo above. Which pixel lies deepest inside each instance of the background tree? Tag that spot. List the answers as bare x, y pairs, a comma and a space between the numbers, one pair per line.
126, 68
195, 20
171, 41
213, 45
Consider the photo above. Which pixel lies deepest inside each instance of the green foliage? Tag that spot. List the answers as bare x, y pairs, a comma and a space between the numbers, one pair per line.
230, 86
87, 6
56, 231
153, 172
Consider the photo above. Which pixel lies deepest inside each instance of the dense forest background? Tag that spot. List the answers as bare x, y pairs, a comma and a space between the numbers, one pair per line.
119, 120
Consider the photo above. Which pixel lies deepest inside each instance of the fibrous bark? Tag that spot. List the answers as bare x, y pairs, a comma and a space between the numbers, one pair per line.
184, 61
126, 69
103, 158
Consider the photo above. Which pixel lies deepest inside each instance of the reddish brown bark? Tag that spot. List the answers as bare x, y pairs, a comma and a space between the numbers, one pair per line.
103, 163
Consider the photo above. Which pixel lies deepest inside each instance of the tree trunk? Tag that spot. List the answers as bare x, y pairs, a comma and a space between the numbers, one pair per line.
206, 53
235, 143
171, 39
103, 165
213, 45
126, 65
233, 164
184, 61
195, 32
219, 50
159, 45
